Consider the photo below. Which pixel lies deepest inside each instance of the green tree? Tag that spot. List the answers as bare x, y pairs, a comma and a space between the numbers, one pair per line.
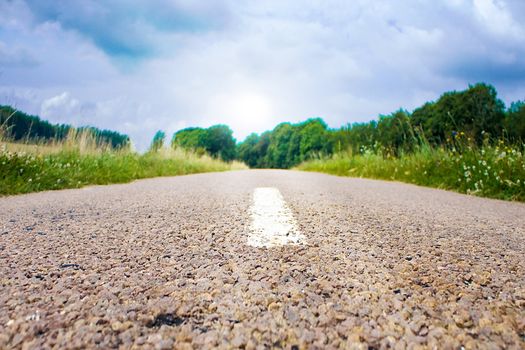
158, 141
262, 150
314, 139
474, 111
395, 132
248, 152
515, 122
21, 126
220, 142
190, 138
355, 136
278, 156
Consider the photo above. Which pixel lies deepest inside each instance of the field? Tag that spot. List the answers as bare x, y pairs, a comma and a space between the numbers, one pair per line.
78, 161
495, 171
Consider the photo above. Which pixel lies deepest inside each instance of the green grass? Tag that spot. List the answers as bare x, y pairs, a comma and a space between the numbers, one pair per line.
490, 171
55, 167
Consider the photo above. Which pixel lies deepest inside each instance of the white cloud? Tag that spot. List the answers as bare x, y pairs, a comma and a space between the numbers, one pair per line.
497, 19
62, 101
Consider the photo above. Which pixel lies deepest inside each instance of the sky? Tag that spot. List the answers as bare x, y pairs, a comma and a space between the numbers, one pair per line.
139, 66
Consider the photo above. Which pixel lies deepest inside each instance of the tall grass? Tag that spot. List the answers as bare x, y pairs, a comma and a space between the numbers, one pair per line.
79, 161
493, 170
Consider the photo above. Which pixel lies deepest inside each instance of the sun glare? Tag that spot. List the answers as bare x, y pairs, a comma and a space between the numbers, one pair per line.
252, 109
244, 112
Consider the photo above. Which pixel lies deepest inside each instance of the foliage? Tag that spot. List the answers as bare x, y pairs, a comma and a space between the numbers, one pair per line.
220, 142
250, 151
158, 141
472, 111
45, 169
190, 138
515, 122
286, 145
496, 171
395, 133
216, 140
19, 126
476, 112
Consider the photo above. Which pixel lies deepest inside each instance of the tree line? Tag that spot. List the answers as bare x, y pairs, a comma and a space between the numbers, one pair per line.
477, 113
19, 126
216, 140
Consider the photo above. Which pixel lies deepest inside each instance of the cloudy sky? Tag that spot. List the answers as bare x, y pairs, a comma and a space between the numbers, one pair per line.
139, 66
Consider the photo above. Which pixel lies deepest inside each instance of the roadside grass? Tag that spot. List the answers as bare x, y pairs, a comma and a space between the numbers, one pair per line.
79, 161
495, 171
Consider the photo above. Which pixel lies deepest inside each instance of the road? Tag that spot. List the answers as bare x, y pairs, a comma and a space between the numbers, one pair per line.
184, 262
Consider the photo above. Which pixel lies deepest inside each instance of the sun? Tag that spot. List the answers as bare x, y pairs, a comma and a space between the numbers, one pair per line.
244, 111
250, 108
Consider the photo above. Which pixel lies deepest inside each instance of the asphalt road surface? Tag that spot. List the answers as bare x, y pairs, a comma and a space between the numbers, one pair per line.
261, 259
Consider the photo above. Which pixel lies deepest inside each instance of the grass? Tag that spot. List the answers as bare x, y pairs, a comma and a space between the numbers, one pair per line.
495, 171
78, 162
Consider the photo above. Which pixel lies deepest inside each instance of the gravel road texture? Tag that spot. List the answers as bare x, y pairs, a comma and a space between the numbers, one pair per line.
164, 263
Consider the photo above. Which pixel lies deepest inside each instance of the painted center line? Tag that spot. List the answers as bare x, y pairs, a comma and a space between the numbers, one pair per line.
273, 223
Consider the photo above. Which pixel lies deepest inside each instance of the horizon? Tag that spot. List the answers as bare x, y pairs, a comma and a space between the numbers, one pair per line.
165, 65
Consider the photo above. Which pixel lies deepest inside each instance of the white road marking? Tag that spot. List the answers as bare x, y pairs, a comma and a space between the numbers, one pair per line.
273, 223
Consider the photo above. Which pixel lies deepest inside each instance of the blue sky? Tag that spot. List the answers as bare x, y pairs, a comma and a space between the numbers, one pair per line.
139, 66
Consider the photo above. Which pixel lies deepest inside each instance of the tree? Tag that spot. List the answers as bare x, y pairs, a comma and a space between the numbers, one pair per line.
220, 142
475, 111
354, 136
278, 156
158, 141
216, 140
515, 122
395, 132
21, 126
248, 152
314, 139
190, 138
